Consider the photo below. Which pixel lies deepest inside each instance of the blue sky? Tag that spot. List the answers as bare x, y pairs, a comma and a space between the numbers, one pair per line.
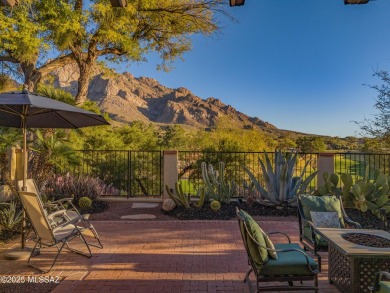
298, 64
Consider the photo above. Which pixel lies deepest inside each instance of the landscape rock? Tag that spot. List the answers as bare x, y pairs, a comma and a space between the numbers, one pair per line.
168, 205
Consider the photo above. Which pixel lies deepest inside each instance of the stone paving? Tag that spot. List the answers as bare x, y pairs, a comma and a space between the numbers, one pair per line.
165, 256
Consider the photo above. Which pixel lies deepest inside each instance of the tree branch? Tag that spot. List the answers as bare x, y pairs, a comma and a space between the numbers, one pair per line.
106, 51
56, 63
8, 59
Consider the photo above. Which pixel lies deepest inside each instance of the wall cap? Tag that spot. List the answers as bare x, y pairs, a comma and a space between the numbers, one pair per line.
326, 154
174, 152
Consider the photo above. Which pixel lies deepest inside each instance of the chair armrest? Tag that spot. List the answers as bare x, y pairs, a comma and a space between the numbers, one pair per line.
56, 214
276, 232
349, 221
73, 221
50, 205
384, 274
62, 200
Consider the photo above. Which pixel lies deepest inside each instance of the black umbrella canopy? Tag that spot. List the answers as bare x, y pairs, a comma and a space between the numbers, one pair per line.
41, 112
26, 110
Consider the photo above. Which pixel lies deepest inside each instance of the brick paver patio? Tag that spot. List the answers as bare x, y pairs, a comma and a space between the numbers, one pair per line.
151, 256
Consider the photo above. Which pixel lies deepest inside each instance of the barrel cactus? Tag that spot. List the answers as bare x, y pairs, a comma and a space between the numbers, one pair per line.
215, 205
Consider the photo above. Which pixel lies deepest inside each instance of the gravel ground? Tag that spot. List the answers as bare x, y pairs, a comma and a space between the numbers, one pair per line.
227, 212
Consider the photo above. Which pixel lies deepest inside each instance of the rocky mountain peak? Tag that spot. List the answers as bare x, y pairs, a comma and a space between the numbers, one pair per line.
127, 98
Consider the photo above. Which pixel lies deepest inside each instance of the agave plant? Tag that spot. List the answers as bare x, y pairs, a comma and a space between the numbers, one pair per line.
10, 216
281, 186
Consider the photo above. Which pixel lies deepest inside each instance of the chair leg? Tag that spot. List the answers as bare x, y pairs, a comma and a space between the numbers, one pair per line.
247, 275
247, 280
79, 251
89, 230
54, 261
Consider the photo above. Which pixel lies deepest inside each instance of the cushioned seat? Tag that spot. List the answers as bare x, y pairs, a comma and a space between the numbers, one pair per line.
322, 204
282, 262
288, 263
384, 287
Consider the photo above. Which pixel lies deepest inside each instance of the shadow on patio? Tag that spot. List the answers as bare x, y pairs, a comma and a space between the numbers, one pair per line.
151, 256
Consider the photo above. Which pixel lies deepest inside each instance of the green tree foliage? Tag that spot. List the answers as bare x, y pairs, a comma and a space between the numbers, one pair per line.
140, 136
175, 137
286, 143
311, 144
24, 43
6, 83
379, 126
82, 31
9, 137
373, 145
227, 135
53, 145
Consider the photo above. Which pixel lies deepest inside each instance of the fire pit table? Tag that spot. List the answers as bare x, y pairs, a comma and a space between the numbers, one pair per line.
352, 266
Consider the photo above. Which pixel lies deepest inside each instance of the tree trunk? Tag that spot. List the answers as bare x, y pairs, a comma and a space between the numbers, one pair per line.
28, 71
83, 82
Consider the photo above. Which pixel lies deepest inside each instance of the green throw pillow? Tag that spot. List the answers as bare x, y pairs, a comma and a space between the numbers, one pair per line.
272, 254
258, 254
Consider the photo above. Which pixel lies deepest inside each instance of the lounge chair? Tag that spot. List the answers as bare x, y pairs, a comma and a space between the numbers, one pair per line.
323, 204
285, 262
45, 234
381, 283
69, 213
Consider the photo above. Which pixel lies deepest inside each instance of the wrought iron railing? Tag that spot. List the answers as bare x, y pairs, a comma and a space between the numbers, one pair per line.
140, 173
356, 163
190, 171
132, 173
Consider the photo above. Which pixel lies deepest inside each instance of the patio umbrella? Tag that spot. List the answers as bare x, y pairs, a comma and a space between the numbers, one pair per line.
26, 110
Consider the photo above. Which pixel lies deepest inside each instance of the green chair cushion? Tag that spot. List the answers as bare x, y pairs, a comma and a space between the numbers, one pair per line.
384, 287
325, 203
258, 254
288, 263
308, 235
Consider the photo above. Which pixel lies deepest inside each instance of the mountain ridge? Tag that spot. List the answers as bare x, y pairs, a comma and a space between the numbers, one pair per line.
127, 98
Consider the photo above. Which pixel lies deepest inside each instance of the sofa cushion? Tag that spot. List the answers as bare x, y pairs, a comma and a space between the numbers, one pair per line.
288, 263
257, 253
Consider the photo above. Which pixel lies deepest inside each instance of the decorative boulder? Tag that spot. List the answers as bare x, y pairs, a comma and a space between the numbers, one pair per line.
168, 205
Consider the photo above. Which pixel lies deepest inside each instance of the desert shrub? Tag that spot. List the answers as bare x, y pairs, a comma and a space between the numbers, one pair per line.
62, 186
85, 203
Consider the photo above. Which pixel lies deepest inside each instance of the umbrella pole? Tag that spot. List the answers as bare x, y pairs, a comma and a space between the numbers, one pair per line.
24, 180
